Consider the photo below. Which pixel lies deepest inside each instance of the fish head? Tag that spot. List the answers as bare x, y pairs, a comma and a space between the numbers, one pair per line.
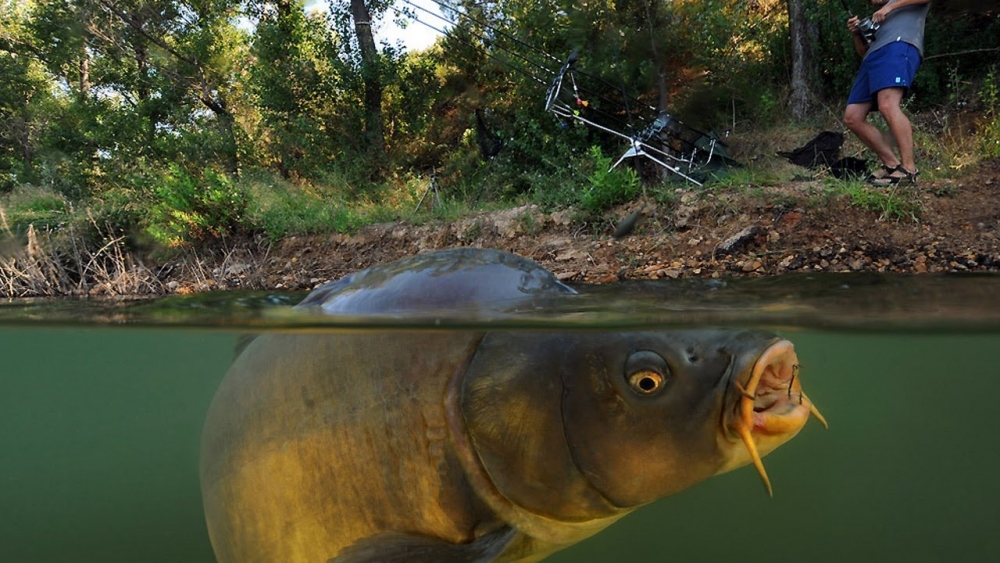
588, 425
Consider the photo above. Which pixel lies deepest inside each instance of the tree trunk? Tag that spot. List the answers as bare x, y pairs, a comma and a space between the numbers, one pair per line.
84, 69
800, 101
370, 73
217, 104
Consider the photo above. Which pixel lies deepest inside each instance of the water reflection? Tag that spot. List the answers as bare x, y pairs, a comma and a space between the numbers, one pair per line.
824, 301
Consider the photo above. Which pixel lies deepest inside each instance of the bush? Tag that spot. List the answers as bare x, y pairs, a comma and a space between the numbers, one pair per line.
989, 134
188, 209
608, 187
40, 207
278, 207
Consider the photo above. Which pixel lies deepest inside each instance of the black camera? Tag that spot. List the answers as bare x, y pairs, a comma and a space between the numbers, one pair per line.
868, 28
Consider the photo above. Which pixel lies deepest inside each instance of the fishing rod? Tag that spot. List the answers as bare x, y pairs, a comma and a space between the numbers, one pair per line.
549, 56
638, 143
548, 72
464, 14
480, 36
592, 94
626, 99
468, 43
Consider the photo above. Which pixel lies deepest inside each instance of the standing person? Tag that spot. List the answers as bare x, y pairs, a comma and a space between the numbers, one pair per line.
890, 62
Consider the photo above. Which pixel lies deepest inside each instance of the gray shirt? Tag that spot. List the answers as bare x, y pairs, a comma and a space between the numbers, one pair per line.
905, 24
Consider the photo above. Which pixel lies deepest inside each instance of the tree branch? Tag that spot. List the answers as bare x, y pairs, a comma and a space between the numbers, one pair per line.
193, 61
957, 53
11, 45
217, 106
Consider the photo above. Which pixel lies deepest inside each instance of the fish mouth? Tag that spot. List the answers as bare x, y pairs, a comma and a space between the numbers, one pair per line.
770, 408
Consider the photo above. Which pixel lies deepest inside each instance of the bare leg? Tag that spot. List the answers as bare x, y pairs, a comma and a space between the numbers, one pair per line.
856, 119
899, 125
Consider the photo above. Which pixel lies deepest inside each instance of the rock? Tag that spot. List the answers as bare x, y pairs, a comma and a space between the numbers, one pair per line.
570, 254
737, 241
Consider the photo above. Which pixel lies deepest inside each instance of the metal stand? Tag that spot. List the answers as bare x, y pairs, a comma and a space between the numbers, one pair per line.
682, 164
431, 187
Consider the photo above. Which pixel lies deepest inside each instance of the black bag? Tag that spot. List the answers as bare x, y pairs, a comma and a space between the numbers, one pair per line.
849, 168
824, 150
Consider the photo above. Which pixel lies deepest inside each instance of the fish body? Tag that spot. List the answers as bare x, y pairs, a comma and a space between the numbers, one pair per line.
473, 446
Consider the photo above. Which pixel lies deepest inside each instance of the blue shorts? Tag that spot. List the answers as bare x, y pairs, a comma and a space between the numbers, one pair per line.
892, 66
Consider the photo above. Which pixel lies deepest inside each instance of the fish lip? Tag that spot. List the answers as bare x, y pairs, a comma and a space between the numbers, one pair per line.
778, 406
768, 409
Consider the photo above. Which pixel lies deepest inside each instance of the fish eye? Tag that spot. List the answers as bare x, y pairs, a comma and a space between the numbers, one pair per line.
646, 372
645, 382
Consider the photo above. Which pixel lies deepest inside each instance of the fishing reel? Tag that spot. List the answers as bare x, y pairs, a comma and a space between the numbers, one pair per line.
868, 28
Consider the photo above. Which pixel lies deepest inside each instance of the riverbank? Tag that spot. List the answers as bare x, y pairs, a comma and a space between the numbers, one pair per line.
950, 225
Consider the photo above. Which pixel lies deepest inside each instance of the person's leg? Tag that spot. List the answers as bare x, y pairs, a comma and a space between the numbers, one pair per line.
856, 119
899, 125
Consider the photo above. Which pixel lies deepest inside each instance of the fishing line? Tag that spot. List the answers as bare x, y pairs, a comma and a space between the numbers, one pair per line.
496, 29
592, 93
530, 47
639, 141
480, 36
468, 43
548, 72
593, 109
418, 20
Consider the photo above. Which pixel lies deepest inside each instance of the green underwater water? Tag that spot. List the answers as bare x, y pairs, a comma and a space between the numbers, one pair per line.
101, 423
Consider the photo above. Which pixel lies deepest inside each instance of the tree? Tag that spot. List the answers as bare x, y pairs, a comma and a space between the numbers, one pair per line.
800, 99
371, 75
189, 34
294, 82
24, 99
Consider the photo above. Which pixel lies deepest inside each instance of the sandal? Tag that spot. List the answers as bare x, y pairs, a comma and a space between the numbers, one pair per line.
883, 172
907, 178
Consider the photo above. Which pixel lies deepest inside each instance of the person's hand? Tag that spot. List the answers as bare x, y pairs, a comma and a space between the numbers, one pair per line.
879, 16
852, 24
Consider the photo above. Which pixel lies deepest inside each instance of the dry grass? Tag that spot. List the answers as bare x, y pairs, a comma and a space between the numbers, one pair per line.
40, 268
226, 267
50, 263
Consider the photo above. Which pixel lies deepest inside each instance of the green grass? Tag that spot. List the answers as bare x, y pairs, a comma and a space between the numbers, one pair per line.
190, 205
40, 207
280, 208
892, 203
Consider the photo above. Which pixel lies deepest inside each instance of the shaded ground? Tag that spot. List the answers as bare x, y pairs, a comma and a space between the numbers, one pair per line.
947, 226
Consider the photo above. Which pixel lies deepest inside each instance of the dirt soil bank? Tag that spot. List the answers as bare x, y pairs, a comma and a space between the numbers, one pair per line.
795, 227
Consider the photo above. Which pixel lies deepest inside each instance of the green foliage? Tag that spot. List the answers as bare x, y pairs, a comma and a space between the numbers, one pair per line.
607, 187
159, 114
954, 49
279, 207
33, 206
892, 203
989, 94
588, 183
743, 178
190, 208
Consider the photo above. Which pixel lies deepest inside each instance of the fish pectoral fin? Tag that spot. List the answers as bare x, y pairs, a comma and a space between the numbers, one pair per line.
399, 547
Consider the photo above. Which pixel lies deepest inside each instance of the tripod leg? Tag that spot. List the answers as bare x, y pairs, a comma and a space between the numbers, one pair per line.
427, 191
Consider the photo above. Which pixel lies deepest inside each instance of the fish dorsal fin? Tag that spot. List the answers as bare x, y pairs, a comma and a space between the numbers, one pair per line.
398, 547
242, 342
